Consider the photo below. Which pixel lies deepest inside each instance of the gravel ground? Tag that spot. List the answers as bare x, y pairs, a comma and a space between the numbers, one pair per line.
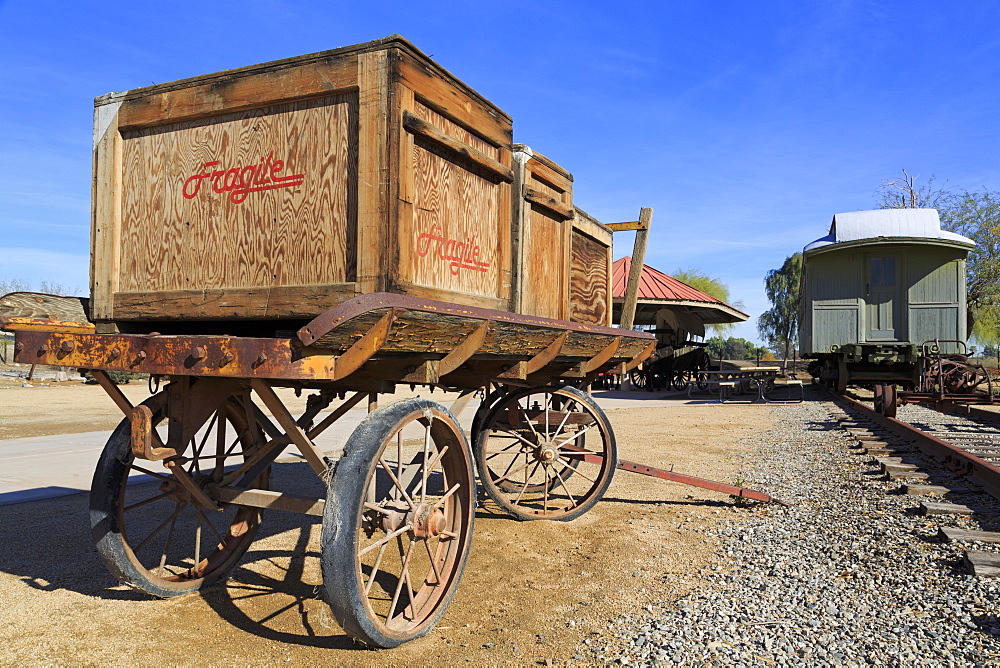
849, 575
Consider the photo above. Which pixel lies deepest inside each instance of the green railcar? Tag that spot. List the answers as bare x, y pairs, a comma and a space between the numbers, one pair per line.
882, 290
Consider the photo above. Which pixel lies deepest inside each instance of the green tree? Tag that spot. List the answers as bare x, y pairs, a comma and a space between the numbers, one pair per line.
714, 287
974, 214
731, 348
779, 324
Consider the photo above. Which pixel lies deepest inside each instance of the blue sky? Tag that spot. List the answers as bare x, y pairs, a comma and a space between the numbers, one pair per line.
745, 125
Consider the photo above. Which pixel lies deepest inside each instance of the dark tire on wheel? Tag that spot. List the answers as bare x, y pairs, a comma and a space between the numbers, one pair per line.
399, 515
124, 508
522, 467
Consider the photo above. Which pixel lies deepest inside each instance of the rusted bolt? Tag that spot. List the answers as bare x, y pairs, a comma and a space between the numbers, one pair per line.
18, 347
227, 357
67, 346
260, 359
43, 349
154, 334
141, 355
114, 354
198, 353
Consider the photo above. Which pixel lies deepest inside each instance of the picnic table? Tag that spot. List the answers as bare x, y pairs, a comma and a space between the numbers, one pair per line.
743, 380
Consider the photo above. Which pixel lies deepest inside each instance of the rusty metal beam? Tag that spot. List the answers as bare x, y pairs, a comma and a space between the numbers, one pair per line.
987, 474
663, 474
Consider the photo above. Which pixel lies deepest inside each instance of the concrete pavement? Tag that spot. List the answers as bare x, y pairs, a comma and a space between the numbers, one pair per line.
41, 467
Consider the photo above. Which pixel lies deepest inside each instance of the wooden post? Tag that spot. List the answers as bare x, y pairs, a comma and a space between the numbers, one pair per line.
638, 258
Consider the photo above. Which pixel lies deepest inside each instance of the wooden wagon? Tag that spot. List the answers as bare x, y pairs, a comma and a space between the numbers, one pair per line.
338, 224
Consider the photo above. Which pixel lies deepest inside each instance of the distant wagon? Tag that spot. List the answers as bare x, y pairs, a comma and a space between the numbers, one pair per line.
880, 293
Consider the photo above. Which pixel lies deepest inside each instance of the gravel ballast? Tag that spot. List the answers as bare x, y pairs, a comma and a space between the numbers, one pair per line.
849, 575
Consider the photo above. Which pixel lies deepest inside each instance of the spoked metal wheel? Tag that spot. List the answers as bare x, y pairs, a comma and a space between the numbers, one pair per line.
681, 380
638, 378
878, 400
397, 527
149, 531
546, 453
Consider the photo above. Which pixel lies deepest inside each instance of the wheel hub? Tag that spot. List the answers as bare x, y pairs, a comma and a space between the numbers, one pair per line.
546, 453
427, 521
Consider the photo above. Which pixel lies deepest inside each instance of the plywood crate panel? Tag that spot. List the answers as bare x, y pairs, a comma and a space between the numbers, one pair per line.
543, 211
590, 270
277, 191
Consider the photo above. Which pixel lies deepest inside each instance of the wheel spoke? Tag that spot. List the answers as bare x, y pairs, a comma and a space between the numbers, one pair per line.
385, 539
152, 473
440, 503
139, 504
521, 493
378, 562
210, 526
427, 451
433, 560
395, 481
401, 579
576, 435
166, 547
576, 471
160, 528
572, 501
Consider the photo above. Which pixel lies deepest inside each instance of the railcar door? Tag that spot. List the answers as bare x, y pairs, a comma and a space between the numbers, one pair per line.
883, 302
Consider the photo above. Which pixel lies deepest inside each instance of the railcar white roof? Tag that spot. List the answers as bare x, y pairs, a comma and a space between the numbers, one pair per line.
887, 223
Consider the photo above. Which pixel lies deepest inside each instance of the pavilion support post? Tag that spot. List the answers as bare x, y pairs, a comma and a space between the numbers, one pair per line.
638, 258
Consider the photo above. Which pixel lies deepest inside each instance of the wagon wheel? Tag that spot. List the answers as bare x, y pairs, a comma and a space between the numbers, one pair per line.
148, 531
703, 384
530, 444
638, 378
681, 381
397, 526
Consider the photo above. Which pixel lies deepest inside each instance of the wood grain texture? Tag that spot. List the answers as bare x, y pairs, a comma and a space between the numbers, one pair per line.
436, 89
544, 289
287, 301
589, 296
183, 234
38, 305
458, 238
543, 205
105, 221
240, 92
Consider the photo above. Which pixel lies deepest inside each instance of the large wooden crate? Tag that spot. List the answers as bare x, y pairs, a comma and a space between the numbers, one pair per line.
279, 190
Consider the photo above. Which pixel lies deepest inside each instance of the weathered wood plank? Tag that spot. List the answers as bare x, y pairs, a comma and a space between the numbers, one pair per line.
982, 564
38, 305
954, 534
929, 508
459, 149
296, 301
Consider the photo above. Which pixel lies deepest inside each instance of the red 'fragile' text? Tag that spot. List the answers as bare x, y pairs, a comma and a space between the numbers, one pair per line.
459, 254
239, 182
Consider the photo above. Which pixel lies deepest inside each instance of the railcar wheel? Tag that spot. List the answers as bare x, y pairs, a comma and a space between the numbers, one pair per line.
148, 531
878, 401
889, 399
398, 521
530, 444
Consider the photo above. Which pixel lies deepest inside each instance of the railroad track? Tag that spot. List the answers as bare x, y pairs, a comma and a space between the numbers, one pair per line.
952, 456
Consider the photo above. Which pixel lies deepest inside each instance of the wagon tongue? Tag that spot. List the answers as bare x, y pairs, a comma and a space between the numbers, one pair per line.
663, 474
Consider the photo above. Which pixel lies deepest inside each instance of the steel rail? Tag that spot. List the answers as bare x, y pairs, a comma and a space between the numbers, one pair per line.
982, 472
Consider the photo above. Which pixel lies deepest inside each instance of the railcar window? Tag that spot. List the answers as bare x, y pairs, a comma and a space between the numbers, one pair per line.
883, 272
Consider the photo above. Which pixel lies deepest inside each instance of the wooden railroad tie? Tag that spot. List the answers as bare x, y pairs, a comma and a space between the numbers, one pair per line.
982, 564
954, 534
930, 508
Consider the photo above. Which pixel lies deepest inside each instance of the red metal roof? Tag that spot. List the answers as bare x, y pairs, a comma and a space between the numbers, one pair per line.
654, 284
